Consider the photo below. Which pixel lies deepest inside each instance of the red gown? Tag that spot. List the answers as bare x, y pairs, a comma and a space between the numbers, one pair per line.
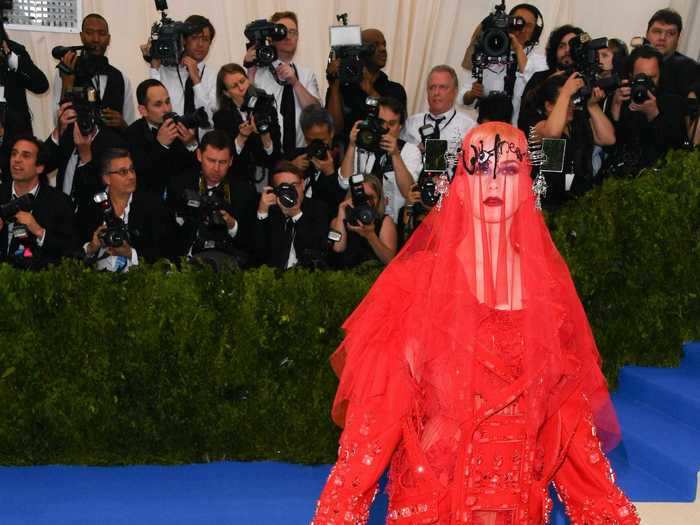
475, 405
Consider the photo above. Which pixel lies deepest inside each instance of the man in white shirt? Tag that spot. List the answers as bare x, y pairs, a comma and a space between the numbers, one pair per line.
293, 86
445, 121
399, 165
192, 84
496, 77
116, 95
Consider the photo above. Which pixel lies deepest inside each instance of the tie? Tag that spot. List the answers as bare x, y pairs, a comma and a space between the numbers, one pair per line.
288, 111
438, 121
189, 96
289, 225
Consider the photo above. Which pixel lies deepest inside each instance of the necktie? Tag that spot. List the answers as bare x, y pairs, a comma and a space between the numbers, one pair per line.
189, 96
289, 225
288, 111
437, 121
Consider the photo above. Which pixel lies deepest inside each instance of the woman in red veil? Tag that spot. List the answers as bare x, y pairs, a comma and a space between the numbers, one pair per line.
471, 371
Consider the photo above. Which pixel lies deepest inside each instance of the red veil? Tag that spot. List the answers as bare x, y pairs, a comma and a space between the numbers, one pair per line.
485, 248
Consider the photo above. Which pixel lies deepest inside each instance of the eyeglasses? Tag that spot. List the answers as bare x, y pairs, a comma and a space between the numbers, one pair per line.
122, 171
292, 32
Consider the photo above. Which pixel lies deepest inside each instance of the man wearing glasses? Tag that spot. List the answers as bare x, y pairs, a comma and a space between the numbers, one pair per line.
144, 224
293, 86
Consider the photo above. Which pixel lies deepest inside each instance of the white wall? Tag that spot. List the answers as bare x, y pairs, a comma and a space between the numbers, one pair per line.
420, 33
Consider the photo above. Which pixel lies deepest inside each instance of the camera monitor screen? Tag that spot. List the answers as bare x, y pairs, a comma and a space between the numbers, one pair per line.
554, 151
435, 150
346, 36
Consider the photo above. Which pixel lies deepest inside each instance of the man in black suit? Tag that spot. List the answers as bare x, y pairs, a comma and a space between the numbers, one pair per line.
18, 74
215, 211
127, 224
43, 231
161, 150
290, 231
77, 156
92, 69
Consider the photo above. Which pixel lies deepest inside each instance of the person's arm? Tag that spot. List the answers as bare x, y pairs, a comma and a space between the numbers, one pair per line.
603, 129
29, 76
307, 94
347, 167
584, 481
334, 95
384, 244
554, 125
338, 224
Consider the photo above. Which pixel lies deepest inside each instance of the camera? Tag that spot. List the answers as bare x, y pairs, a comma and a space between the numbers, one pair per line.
87, 64
317, 149
86, 104
262, 106
346, 46
196, 119
287, 194
116, 233
167, 37
640, 87
584, 55
493, 44
361, 211
206, 208
10, 209
261, 33
428, 189
370, 130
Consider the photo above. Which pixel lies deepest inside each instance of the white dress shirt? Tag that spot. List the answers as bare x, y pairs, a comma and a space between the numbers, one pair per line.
129, 114
495, 76
11, 225
452, 129
265, 80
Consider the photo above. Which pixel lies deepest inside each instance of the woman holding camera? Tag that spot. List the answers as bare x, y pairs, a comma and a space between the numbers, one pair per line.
582, 128
370, 237
254, 147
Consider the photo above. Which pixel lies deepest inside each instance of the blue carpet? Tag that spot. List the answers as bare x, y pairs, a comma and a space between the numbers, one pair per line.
659, 410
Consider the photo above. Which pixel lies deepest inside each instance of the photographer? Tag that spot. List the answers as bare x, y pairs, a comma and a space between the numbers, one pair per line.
293, 86
191, 84
92, 69
448, 123
364, 241
75, 148
509, 78
420, 200
37, 229
582, 129
160, 148
346, 102
395, 163
123, 223
317, 160
18, 74
678, 72
559, 60
648, 121
214, 211
255, 149
291, 230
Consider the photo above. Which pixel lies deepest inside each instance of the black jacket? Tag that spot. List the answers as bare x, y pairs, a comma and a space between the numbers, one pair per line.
323, 188
678, 74
54, 212
273, 240
150, 224
242, 206
253, 153
155, 164
87, 179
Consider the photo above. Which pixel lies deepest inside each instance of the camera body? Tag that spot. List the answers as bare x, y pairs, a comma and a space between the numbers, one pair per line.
370, 130
286, 194
167, 44
10, 209
261, 33
584, 55
493, 45
352, 63
196, 119
262, 106
86, 103
206, 208
640, 87
116, 233
361, 212
317, 149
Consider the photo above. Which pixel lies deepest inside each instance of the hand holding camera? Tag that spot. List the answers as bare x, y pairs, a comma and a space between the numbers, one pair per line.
26, 218
572, 85
167, 133
648, 107
302, 162
285, 73
113, 118
267, 199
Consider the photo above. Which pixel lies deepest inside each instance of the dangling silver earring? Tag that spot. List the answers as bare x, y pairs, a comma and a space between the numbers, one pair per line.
537, 157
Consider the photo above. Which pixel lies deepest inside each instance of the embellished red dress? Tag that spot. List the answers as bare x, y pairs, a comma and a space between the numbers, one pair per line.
476, 397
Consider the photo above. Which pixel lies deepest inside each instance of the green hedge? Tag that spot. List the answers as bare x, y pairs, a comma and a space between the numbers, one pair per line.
179, 366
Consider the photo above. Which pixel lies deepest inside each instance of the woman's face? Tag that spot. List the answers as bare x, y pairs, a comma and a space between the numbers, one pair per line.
495, 184
372, 197
605, 55
236, 86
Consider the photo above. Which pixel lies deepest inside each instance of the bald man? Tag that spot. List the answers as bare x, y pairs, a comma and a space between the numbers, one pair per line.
346, 103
